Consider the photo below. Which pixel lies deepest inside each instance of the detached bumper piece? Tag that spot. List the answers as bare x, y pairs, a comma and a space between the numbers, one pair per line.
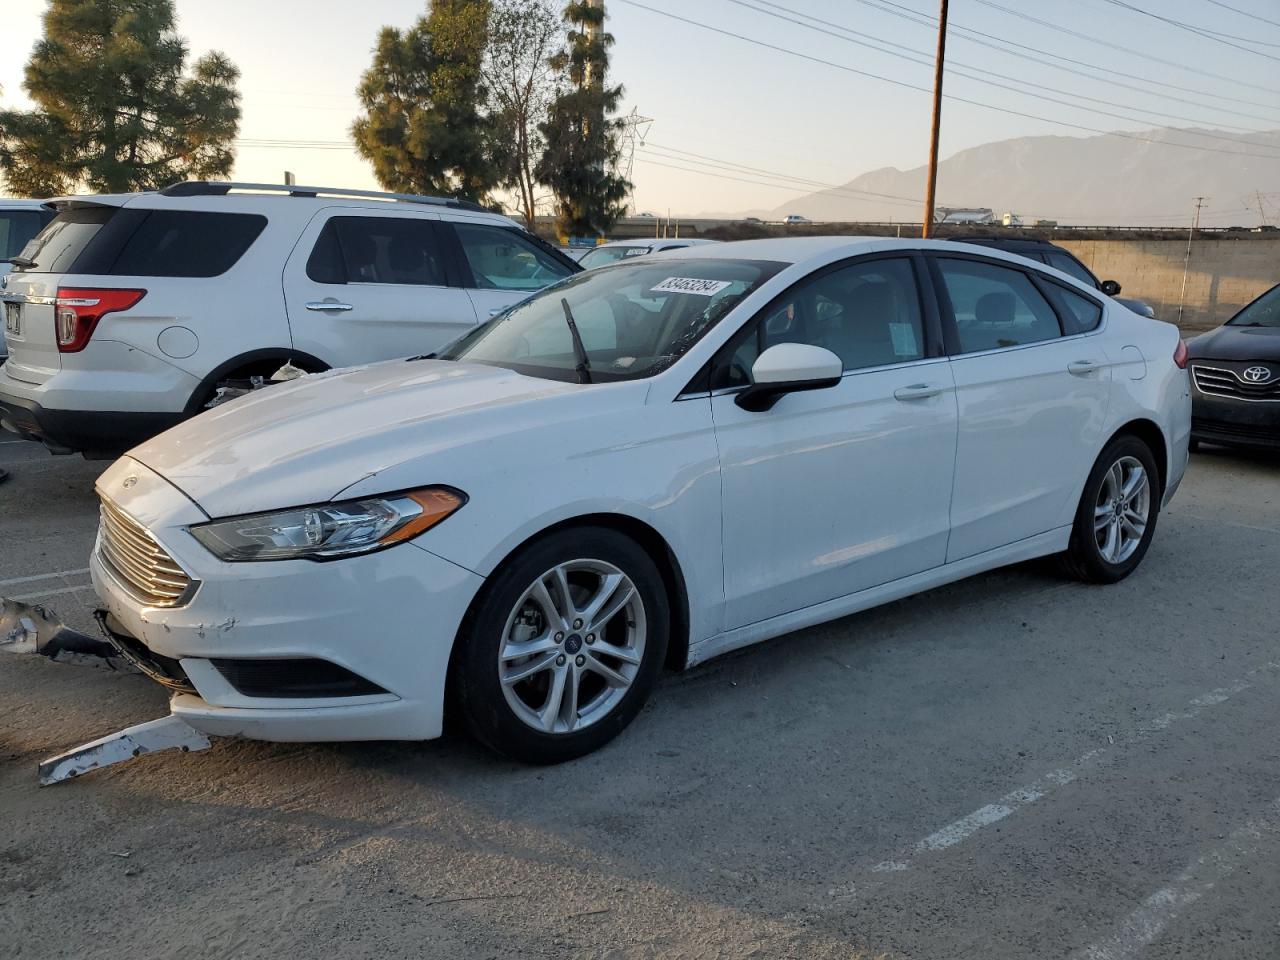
167, 733
163, 670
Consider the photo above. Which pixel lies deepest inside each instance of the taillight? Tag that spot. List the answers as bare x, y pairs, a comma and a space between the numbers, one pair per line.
1180, 355
80, 308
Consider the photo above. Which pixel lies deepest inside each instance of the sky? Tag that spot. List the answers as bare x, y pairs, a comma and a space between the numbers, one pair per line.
779, 97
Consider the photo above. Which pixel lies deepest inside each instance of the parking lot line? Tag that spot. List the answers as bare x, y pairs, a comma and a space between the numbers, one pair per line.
1149, 920
960, 830
52, 593
14, 581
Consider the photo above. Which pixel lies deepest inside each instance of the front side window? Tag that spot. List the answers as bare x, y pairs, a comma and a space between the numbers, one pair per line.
996, 307
501, 259
867, 313
1070, 266
395, 250
634, 319
1263, 312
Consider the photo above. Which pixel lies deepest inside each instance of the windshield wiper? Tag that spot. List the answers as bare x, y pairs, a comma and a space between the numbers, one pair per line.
584, 366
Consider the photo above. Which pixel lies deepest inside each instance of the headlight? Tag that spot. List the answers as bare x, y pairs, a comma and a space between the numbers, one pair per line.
328, 530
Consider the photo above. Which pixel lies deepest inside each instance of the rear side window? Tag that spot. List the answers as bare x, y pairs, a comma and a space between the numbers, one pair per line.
17, 227
57, 247
1070, 266
1079, 313
397, 250
502, 259
996, 307
186, 243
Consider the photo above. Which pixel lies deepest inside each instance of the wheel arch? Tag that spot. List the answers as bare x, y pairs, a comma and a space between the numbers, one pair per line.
1149, 432
306, 361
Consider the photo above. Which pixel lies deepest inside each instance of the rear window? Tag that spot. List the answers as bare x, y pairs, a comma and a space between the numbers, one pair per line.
17, 227
128, 242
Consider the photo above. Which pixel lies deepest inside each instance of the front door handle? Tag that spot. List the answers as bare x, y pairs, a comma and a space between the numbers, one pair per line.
917, 391
1082, 368
324, 305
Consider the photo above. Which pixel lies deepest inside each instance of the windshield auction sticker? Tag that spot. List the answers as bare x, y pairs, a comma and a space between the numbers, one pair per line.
701, 288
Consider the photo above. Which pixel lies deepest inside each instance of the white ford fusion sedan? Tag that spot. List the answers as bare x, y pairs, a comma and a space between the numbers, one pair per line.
643, 466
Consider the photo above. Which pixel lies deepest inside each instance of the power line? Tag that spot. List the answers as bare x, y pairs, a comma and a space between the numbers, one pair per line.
916, 57
1042, 57
911, 86
1198, 31
1127, 51
1243, 13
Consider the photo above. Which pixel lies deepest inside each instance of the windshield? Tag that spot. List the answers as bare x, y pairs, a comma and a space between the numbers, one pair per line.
602, 255
1263, 312
634, 319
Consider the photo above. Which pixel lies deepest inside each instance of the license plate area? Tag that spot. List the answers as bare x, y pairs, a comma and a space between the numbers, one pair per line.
13, 319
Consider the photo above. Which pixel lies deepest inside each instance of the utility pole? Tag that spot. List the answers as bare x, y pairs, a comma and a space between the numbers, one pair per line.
931, 186
1186, 262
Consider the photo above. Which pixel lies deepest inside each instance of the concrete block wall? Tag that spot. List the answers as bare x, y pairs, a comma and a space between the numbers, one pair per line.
1224, 274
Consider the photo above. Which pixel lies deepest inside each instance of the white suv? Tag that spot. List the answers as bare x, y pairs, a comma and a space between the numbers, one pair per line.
126, 313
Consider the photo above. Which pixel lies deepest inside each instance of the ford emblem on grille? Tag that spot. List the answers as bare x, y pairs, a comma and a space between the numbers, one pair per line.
1257, 374
129, 482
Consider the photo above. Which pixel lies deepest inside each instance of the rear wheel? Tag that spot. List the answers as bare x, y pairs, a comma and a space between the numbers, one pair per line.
564, 646
1116, 518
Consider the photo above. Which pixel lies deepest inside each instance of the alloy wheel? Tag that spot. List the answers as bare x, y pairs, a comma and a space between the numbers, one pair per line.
1122, 510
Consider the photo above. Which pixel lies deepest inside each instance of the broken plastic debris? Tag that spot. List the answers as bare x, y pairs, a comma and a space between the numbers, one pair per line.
231, 389
32, 628
166, 733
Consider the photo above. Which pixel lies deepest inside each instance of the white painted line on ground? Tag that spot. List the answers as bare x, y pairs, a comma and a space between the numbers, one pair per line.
1138, 930
52, 593
13, 581
960, 830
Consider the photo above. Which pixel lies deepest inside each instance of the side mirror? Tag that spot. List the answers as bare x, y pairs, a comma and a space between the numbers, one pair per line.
788, 368
1110, 288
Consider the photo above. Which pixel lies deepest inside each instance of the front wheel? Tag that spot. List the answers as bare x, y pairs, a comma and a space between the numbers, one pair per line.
563, 647
1116, 518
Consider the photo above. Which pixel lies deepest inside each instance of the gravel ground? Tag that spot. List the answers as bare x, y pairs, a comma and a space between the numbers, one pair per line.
1012, 767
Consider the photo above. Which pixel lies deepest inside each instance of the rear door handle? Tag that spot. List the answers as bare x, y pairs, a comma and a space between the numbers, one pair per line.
917, 391
1082, 368
323, 305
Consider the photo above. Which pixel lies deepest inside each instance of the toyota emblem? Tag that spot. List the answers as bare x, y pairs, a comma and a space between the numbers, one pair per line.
129, 482
1257, 374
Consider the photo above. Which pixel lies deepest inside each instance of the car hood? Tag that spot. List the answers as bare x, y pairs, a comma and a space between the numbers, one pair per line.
1236, 343
308, 440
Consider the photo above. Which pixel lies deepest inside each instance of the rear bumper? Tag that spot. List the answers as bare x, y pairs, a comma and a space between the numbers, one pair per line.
94, 432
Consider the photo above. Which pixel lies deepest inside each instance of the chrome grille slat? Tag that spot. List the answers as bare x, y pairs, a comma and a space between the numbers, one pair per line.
138, 560
1221, 382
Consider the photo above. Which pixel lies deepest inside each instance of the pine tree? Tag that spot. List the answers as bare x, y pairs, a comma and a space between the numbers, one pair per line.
422, 127
582, 131
115, 109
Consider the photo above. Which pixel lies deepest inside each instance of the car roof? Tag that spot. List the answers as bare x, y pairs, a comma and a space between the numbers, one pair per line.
654, 242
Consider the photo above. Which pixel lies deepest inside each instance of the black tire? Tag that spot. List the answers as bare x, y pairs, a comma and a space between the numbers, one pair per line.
1083, 558
477, 689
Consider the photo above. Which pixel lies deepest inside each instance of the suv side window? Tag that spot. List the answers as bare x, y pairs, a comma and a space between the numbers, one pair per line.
187, 243
501, 259
397, 250
995, 306
867, 313
1070, 266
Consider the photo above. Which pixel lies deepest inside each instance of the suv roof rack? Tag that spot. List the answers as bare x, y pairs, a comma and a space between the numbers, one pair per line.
220, 188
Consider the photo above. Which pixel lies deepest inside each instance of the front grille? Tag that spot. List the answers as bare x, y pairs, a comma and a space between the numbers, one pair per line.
1212, 430
1223, 382
138, 561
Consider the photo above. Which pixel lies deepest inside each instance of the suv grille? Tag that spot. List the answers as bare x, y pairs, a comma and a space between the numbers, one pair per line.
1222, 382
138, 561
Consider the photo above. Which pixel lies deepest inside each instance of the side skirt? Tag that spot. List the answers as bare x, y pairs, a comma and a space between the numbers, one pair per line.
1040, 545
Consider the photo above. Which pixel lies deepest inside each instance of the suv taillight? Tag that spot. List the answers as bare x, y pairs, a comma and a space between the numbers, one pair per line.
80, 308
1180, 355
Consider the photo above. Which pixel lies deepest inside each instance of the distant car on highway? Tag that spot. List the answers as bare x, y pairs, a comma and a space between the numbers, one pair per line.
617, 250
1060, 259
1235, 378
796, 219
20, 220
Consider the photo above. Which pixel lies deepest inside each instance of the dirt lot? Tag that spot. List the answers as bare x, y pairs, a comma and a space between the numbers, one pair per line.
1012, 767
